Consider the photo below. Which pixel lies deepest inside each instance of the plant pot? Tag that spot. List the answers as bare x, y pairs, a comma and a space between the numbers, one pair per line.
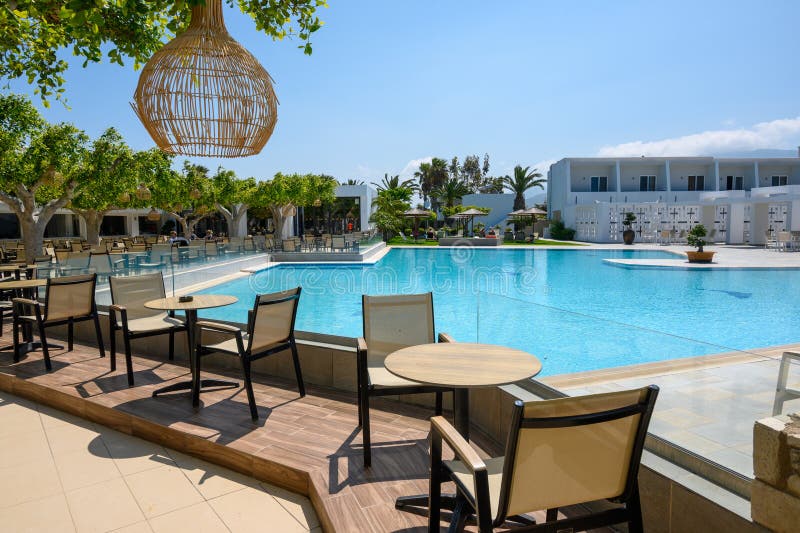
628, 235
700, 257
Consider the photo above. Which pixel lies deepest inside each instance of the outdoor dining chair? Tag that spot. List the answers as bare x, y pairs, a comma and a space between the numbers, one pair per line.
128, 314
68, 300
270, 330
391, 323
74, 263
559, 453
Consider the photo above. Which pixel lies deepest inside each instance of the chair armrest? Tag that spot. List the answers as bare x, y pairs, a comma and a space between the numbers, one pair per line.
464, 452
113, 309
361, 344
446, 337
215, 326
25, 301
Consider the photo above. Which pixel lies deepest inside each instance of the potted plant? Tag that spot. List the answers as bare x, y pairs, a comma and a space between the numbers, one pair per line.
628, 235
695, 238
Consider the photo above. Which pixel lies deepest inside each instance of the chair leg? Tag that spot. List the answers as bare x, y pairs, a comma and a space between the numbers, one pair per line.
128, 358
45, 350
365, 436
70, 335
99, 334
634, 507
297, 372
439, 403
461, 512
15, 326
248, 385
113, 347
171, 345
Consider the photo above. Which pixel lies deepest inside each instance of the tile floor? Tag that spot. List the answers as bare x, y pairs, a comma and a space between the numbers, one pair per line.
712, 411
63, 473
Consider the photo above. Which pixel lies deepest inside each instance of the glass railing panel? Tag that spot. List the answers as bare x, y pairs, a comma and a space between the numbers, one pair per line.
711, 393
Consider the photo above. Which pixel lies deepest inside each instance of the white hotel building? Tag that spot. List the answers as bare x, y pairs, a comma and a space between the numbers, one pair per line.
742, 199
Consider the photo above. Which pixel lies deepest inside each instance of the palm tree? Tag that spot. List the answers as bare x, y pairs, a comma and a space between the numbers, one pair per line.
450, 191
523, 180
430, 176
351, 181
388, 184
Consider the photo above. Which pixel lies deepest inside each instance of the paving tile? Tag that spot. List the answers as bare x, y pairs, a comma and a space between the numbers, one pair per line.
15, 420
298, 506
24, 448
198, 518
138, 527
693, 441
52, 418
162, 490
49, 514
81, 468
209, 479
29, 481
68, 438
132, 454
103, 507
250, 509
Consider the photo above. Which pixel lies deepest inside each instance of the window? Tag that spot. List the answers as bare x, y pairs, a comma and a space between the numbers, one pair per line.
734, 183
647, 183
696, 183
777, 181
599, 184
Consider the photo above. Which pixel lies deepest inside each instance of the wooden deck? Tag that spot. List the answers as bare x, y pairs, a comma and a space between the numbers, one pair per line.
310, 445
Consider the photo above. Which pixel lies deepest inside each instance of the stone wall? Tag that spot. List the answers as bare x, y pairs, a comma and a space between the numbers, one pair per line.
775, 498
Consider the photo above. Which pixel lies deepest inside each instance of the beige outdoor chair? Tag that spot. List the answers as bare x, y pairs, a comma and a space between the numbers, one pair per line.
391, 323
129, 315
270, 330
68, 299
102, 264
559, 453
74, 263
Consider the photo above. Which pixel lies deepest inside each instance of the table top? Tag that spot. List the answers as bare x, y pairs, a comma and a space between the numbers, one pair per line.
462, 364
22, 284
199, 301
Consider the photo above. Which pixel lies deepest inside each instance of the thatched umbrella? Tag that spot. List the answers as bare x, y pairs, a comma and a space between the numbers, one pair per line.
417, 214
470, 214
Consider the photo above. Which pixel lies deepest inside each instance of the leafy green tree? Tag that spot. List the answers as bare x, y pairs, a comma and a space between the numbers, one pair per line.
523, 180
33, 31
188, 196
352, 181
40, 167
285, 192
455, 168
450, 192
232, 197
109, 174
387, 215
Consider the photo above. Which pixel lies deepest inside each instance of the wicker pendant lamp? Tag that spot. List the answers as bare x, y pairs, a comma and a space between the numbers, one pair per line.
203, 94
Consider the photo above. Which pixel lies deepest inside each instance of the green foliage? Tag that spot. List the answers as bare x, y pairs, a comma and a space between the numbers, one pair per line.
629, 219
450, 192
109, 170
695, 237
431, 176
33, 31
560, 232
519, 184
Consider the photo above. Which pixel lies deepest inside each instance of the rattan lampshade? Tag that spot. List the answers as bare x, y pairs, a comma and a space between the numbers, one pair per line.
203, 94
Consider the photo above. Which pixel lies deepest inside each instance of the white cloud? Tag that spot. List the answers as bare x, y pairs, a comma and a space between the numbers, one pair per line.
774, 134
413, 165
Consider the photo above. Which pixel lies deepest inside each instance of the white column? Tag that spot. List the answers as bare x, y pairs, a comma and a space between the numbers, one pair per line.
619, 177
794, 216
716, 175
569, 179
669, 176
757, 178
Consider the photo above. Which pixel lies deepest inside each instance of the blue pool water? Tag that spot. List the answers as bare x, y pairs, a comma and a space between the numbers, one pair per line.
568, 307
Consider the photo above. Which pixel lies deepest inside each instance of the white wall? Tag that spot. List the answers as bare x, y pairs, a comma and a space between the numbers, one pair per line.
500, 204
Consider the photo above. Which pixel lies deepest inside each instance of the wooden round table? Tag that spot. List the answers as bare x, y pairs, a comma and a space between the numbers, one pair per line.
462, 366
200, 301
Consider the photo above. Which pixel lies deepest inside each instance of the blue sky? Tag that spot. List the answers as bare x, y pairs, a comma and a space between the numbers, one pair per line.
529, 82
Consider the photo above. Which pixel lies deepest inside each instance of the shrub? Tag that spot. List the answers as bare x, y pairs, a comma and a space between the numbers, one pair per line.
561, 233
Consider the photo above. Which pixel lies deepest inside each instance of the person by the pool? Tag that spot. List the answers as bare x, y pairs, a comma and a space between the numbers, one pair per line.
174, 239
210, 235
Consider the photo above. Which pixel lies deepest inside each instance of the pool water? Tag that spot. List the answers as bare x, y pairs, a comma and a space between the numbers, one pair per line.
569, 307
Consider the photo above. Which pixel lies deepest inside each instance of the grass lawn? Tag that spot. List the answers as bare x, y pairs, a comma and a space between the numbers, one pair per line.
398, 241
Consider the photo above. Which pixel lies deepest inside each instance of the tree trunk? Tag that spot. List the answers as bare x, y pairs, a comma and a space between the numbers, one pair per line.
519, 201
32, 236
232, 217
93, 219
279, 214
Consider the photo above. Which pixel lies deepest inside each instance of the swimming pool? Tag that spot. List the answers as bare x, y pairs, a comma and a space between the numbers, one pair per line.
568, 307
